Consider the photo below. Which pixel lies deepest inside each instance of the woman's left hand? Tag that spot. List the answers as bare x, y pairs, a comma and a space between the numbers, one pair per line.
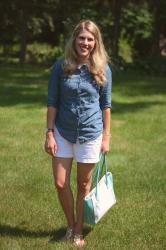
105, 145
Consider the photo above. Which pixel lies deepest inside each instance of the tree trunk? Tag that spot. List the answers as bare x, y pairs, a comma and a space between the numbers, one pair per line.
156, 32
117, 8
23, 36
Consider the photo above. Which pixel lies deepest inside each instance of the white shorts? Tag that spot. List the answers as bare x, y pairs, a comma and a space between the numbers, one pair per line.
87, 152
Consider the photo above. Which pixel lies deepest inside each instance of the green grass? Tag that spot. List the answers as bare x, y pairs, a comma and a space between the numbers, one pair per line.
30, 215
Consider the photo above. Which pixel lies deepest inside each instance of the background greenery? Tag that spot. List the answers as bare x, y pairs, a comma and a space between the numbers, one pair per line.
33, 36
36, 31
30, 215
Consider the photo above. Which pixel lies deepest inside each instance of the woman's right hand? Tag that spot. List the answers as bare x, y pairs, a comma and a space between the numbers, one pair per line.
50, 144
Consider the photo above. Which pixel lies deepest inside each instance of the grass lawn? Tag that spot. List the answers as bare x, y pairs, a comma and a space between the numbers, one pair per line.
30, 215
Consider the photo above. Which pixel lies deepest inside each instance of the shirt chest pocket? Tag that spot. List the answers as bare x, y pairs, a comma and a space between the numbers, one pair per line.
69, 85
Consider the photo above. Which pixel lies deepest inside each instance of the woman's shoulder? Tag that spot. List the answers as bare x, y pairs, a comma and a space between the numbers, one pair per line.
57, 67
58, 63
108, 68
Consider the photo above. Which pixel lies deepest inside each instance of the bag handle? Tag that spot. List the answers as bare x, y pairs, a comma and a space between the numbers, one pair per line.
98, 169
96, 173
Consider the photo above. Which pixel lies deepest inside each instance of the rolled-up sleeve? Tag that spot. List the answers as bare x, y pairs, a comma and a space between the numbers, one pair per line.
53, 86
106, 91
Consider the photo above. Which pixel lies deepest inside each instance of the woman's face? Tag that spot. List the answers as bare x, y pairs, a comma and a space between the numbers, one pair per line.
84, 44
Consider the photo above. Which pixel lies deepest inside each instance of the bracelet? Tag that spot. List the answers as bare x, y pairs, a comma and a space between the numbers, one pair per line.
49, 130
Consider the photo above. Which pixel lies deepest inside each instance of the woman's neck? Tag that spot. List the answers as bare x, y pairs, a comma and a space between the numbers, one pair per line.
82, 62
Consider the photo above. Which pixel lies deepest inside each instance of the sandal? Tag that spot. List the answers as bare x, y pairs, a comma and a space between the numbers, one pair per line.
78, 240
68, 236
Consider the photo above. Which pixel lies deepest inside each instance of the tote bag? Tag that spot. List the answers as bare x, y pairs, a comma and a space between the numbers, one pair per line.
102, 197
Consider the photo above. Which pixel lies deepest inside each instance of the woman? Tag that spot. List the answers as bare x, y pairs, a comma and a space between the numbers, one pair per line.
78, 119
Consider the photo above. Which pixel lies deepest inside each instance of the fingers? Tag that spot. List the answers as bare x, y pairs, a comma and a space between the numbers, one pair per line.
51, 150
52, 153
104, 150
105, 147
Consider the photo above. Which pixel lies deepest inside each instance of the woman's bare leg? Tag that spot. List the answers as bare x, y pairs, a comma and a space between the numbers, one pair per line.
84, 176
61, 171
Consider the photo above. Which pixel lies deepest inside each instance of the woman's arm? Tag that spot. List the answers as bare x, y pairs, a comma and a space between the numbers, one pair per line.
51, 115
50, 143
52, 107
105, 105
106, 130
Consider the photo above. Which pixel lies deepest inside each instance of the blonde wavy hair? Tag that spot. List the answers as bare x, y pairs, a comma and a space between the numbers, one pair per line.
98, 57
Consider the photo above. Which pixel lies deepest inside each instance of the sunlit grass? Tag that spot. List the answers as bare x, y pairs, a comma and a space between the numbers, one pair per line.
30, 214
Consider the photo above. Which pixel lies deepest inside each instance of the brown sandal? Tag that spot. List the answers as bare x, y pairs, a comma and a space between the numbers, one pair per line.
68, 236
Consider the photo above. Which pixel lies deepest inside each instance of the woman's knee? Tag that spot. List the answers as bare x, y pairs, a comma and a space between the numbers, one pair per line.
84, 187
61, 185
61, 172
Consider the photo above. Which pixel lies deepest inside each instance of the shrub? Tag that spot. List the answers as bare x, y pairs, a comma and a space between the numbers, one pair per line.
154, 66
151, 65
42, 53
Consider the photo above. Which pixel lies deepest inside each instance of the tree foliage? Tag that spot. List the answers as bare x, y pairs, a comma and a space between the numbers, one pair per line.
138, 24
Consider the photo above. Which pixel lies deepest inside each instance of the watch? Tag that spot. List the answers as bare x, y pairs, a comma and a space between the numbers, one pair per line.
49, 130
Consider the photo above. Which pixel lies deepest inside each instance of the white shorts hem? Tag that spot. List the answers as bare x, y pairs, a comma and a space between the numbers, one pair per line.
88, 160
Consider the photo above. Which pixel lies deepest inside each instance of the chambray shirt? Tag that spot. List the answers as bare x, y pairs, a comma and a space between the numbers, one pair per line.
79, 102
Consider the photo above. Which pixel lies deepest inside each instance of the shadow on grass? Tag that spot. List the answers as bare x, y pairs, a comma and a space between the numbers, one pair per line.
138, 84
27, 95
23, 87
30, 87
13, 95
120, 107
61, 232
55, 235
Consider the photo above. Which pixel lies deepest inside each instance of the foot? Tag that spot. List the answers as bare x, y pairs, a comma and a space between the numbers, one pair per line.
78, 240
68, 236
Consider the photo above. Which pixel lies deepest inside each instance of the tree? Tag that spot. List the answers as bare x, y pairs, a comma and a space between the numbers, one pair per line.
158, 9
116, 13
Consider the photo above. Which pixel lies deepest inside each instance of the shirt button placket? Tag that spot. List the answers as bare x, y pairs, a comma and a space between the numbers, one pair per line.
78, 104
